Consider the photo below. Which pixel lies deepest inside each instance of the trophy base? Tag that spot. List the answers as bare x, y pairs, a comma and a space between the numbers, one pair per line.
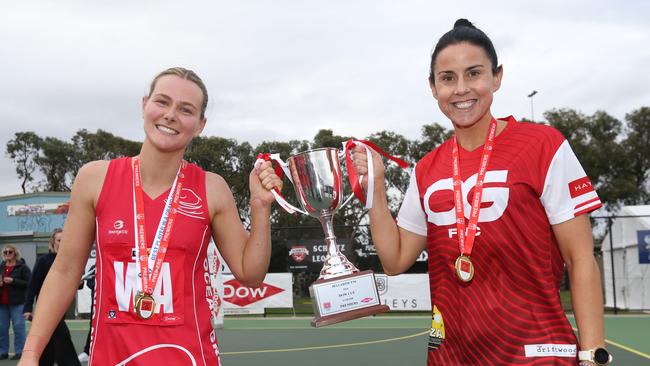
345, 298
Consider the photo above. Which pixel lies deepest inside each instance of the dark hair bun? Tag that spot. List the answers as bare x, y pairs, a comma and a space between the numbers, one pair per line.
462, 22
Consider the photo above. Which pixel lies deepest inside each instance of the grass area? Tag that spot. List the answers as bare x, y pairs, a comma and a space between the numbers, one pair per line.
565, 298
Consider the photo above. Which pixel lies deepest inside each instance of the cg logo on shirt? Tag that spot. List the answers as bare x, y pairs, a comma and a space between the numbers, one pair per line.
497, 196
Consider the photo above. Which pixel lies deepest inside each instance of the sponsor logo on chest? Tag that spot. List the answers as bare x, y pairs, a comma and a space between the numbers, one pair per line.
118, 228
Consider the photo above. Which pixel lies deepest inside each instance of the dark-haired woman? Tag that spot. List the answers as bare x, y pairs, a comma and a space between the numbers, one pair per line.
59, 348
501, 208
152, 217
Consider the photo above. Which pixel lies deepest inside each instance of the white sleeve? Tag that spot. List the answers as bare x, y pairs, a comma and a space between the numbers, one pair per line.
411, 216
567, 191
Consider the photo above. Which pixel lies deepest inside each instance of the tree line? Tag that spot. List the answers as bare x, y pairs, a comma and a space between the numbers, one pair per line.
614, 153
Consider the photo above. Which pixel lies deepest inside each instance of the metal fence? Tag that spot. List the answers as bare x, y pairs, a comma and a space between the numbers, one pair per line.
622, 249
623, 246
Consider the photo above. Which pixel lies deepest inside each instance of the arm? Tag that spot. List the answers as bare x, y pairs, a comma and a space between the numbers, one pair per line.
576, 245
247, 254
397, 248
63, 278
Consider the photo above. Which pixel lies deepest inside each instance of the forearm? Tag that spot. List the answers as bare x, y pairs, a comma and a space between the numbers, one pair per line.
385, 233
257, 251
587, 299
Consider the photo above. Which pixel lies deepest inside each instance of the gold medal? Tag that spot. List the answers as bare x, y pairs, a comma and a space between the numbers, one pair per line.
464, 268
145, 305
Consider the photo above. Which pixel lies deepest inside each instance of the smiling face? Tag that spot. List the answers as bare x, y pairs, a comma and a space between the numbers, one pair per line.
172, 113
9, 254
464, 84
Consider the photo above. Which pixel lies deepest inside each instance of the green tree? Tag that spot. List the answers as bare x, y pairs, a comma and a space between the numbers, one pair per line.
57, 163
326, 138
432, 136
23, 150
101, 145
637, 154
596, 142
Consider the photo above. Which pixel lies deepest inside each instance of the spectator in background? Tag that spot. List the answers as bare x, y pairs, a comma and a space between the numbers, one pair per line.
15, 275
60, 348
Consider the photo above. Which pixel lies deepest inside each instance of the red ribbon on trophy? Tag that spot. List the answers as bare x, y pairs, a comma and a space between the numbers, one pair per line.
353, 177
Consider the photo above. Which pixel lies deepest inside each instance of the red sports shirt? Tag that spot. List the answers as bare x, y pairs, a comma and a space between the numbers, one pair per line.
180, 333
510, 313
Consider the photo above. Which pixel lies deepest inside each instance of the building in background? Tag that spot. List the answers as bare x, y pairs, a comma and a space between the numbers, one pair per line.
27, 220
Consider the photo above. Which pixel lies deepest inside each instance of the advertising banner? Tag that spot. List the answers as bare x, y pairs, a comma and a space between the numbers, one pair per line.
275, 292
34, 209
405, 292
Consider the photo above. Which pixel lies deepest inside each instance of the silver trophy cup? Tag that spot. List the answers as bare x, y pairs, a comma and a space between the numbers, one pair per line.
341, 292
318, 182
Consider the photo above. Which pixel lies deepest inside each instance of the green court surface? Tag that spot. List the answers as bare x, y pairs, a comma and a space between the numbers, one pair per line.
381, 340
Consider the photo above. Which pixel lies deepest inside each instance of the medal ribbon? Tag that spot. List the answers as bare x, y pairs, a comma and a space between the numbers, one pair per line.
466, 243
353, 177
163, 233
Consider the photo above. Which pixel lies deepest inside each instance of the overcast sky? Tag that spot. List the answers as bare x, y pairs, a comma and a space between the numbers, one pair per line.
280, 70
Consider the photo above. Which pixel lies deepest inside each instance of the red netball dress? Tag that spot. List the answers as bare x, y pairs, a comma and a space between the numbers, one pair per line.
180, 331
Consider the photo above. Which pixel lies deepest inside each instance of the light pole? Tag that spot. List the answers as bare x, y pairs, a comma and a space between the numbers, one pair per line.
532, 113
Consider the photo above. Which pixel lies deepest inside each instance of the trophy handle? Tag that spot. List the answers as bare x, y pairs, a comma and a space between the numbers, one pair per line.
350, 197
355, 179
276, 192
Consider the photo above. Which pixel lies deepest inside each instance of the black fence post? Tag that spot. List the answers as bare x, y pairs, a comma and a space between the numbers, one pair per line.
611, 257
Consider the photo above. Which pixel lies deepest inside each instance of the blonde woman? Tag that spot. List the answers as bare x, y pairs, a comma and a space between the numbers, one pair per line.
15, 275
152, 217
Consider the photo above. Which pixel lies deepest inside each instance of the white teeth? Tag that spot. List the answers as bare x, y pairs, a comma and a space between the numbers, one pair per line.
167, 130
464, 105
